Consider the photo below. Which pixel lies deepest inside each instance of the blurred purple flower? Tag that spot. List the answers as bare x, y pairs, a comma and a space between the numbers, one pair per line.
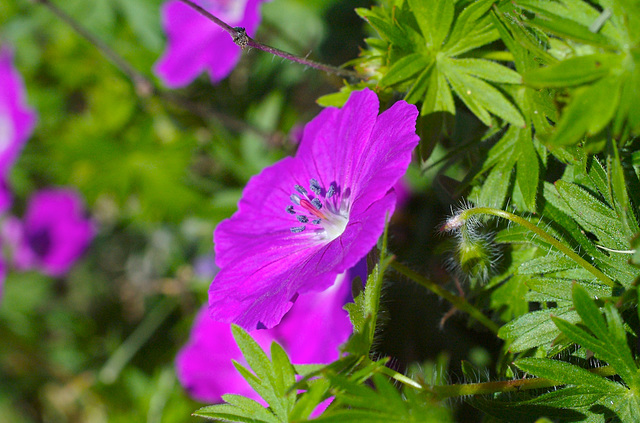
16, 121
195, 44
311, 333
308, 218
52, 235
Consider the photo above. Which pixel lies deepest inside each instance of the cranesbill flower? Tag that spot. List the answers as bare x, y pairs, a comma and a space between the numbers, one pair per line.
308, 218
310, 333
16, 121
53, 234
195, 44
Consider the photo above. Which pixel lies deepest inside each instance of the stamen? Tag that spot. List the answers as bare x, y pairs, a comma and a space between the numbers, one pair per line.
331, 191
315, 186
295, 199
316, 221
316, 203
300, 189
290, 210
297, 229
302, 218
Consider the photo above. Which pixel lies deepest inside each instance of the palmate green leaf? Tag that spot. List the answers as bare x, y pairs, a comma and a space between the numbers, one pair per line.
561, 289
434, 19
609, 344
405, 68
438, 97
535, 329
253, 354
527, 169
594, 216
386, 27
568, 374
591, 109
496, 186
560, 25
487, 70
574, 71
473, 28
479, 96
382, 404
309, 400
512, 411
230, 413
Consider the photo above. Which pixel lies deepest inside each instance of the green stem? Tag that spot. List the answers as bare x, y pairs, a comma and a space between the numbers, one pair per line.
458, 302
466, 214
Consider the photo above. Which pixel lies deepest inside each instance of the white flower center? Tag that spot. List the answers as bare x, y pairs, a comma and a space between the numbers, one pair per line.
326, 211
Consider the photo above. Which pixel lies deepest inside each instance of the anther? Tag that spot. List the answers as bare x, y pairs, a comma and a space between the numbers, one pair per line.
290, 210
314, 185
331, 191
297, 229
302, 218
316, 221
316, 203
295, 199
300, 189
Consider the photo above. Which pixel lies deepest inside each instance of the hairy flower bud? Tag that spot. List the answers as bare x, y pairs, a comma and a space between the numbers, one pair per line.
475, 254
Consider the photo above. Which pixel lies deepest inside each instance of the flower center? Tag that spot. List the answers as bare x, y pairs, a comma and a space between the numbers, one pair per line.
325, 210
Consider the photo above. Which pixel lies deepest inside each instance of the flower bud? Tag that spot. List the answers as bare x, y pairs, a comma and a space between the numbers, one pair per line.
475, 254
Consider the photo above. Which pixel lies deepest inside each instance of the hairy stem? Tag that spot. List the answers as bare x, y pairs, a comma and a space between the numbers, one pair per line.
241, 39
516, 385
458, 302
466, 214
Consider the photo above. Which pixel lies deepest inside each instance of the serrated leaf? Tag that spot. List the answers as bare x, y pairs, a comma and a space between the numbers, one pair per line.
574, 71
487, 70
284, 373
438, 97
480, 96
434, 18
528, 170
547, 264
405, 68
263, 389
250, 407
309, 400
495, 187
466, 22
593, 215
386, 29
602, 349
229, 413
253, 354
566, 373
555, 289
589, 312
561, 26
590, 109
534, 329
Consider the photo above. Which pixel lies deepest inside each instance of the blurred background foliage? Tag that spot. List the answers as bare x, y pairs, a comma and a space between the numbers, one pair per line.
158, 171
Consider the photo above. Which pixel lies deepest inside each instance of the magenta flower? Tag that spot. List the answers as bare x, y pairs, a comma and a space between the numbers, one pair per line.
308, 218
195, 44
311, 333
16, 121
52, 235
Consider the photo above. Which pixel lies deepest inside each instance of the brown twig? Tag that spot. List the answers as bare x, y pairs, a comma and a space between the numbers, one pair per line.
240, 37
